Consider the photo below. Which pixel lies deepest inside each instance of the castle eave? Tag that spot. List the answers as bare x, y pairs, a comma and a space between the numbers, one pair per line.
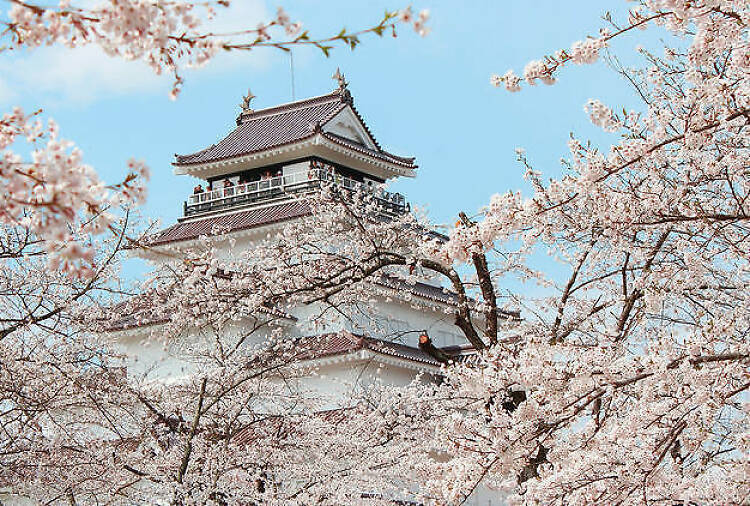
322, 144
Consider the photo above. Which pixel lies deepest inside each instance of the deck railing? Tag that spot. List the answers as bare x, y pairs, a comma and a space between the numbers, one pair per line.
258, 192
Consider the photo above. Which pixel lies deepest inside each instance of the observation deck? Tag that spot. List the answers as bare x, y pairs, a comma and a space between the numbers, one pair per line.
287, 185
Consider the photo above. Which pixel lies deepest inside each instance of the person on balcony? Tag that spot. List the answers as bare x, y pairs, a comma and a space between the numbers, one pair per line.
198, 194
312, 170
228, 190
242, 185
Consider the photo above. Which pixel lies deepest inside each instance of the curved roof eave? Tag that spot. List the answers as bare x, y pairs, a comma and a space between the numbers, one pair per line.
401, 165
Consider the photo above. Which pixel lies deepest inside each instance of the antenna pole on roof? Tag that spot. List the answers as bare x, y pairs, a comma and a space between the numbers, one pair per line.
291, 70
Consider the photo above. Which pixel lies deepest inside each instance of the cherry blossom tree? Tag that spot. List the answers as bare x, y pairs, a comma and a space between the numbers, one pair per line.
628, 383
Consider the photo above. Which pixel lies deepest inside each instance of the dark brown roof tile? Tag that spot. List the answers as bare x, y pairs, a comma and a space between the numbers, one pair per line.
285, 124
344, 343
235, 221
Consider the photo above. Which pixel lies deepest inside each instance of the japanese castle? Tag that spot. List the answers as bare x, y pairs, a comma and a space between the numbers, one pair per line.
248, 185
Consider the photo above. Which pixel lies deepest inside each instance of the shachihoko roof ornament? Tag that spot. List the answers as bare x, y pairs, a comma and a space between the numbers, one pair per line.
343, 91
339, 77
245, 105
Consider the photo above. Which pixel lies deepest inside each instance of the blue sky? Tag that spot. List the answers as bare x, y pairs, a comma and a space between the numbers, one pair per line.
425, 97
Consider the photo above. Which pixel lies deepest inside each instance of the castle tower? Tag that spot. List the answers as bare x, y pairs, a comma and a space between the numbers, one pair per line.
251, 176
248, 186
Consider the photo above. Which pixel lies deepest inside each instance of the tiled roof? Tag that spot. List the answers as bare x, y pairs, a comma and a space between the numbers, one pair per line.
269, 128
435, 293
285, 124
241, 220
344, 343
136, 313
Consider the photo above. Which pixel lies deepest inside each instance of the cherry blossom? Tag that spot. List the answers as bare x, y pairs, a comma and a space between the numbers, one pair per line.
168, 35
512, 81
54, 195
626, 383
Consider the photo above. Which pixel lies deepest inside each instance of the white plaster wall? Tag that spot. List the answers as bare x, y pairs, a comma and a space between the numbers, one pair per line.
148, 354
146, 357
347, 125
338, 381
295, 168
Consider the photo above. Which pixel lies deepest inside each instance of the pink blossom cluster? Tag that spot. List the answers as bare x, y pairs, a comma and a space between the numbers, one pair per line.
55, 196
581, 52
167, 35
160, 33
602, 116
419, 23
510, 79
282, 20
587, 51
537, 69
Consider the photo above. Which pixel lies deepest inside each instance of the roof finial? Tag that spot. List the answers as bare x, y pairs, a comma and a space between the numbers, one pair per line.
245, 105
340, 78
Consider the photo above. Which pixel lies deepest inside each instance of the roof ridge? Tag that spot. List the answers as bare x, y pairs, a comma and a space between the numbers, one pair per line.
290, 106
